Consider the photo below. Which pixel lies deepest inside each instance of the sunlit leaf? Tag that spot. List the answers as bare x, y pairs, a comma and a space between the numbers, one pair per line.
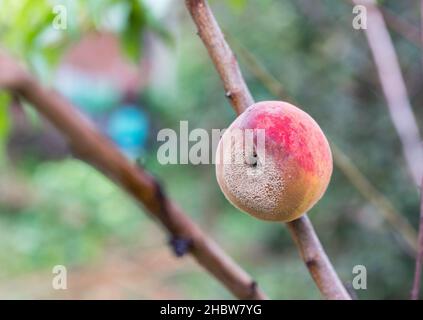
237, 5
131, 35
4, 122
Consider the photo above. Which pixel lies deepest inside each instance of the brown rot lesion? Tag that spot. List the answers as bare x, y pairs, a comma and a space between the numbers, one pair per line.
254, 159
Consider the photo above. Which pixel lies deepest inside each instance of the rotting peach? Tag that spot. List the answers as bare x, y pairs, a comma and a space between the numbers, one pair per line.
283, 178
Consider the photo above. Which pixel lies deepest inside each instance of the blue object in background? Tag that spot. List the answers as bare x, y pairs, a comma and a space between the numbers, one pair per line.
93, 95
128, 127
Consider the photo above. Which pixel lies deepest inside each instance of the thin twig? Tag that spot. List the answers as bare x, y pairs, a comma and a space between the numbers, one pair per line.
94, 148
226, 64
316, 260
257, 69
394, 88
419, 257
402, 27
222, 56
398, 25
388, 211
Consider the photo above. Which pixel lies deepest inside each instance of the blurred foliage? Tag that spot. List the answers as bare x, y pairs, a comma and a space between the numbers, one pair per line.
4, 123
26, 26
76, 216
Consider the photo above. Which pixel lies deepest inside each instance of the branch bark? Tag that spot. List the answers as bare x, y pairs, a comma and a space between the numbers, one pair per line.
394, 88
222, 56
316, 260
240, 97
94, 148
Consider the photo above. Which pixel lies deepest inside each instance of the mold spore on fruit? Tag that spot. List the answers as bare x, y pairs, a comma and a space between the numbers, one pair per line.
288, 175
257, 188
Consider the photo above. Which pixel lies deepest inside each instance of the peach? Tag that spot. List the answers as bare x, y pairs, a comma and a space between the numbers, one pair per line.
286, 167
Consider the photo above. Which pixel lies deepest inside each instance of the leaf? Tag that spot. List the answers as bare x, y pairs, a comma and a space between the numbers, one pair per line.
24, 25
4, 122
139, 18
237, 5
131, 36
4, 114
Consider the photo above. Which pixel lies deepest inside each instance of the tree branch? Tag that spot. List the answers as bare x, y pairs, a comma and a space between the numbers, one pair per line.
94, 148
316, 260
394, 88
398, 25
225, 62
387, 210
222, 56
419, 256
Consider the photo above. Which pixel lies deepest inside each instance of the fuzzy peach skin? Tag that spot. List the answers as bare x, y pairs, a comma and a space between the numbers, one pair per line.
291, 173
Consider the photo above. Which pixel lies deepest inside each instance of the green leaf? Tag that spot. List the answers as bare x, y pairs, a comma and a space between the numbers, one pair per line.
131, 36
140, 18
4, 115
4, 122
237, 5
